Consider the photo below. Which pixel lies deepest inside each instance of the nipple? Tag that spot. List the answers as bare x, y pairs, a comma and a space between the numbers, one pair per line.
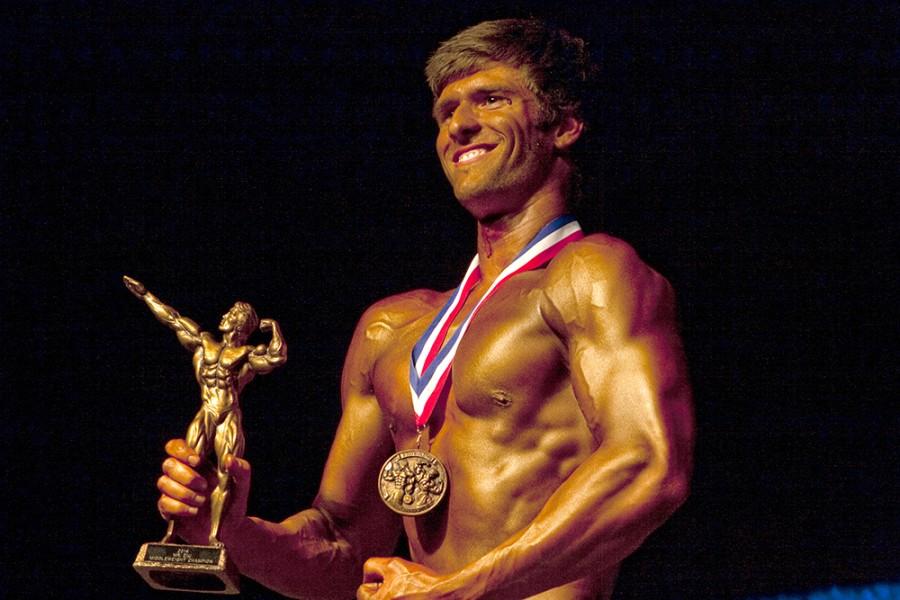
501, 398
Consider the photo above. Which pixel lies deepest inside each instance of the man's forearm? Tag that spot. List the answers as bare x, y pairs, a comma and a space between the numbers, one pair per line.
594, 520
276, 344
164, 313
304, 556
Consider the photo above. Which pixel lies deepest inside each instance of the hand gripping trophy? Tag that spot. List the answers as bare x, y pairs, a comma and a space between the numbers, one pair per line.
222, 369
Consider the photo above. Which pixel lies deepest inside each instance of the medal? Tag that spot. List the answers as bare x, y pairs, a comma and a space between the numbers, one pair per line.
412, 482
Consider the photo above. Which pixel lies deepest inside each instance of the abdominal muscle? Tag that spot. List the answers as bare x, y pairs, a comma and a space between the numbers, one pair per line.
499, 485
509, 434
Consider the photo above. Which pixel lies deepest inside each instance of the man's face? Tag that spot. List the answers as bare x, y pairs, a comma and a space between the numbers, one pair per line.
489, 143
232, 320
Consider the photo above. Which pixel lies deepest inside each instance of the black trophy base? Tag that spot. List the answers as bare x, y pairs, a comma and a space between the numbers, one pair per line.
187, 568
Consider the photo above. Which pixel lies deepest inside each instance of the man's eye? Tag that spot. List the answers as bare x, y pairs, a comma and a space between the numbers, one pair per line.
444, 115
495, 101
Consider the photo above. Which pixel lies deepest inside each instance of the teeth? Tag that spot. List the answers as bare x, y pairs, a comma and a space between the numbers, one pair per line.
471, 154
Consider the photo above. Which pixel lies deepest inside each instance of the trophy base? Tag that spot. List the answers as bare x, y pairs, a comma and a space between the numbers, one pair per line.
187, 568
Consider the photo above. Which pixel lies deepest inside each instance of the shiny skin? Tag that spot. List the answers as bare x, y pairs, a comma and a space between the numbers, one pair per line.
567, 431
493, 109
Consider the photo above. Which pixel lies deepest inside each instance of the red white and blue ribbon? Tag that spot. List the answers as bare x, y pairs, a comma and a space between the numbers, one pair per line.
431, 359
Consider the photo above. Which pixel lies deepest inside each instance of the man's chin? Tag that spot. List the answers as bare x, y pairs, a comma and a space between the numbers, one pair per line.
483, 207
469, 193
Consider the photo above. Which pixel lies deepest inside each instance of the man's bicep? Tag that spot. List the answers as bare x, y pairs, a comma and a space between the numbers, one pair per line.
628, 371
190, 338
362, 443
634, 392
260, 361
348, 491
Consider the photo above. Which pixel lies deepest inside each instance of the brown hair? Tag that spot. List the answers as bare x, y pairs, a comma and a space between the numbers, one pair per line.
557, 64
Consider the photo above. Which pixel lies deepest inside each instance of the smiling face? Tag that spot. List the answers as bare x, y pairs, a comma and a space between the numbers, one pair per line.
490, 144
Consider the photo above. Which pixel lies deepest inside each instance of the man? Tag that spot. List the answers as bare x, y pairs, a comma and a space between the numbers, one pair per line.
222, 369
558, 417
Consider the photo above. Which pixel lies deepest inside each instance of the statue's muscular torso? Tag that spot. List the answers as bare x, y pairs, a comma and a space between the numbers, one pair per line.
218, 369
510, 432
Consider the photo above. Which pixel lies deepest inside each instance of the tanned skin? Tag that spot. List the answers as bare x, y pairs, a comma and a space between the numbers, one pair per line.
567, 431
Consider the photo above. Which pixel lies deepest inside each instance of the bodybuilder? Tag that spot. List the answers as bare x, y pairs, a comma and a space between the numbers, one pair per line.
565, 425
222, 369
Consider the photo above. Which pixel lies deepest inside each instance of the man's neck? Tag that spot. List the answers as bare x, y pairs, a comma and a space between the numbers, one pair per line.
501, 239
231, 339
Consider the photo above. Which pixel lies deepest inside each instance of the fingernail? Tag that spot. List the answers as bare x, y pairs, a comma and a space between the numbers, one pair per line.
192, 510
193, 460
200, 499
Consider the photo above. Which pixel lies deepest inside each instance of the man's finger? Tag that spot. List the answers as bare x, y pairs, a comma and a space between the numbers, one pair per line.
180, 449
183, 474
238, 468
374, 570
170, 508
373, 578
367, 591
240, 472
176, 491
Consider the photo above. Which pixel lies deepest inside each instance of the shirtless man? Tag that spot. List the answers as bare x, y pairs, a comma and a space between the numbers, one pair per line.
565, 426
222, 369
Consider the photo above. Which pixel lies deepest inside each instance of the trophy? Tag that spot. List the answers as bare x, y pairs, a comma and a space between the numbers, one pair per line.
222, 368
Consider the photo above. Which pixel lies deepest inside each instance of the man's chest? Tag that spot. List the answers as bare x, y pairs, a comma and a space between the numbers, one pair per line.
507, 360
215, 354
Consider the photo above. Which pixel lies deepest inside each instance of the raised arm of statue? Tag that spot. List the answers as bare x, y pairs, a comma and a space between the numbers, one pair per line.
264, 358
187, 330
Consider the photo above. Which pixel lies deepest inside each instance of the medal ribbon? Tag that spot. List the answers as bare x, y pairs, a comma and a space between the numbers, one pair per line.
431, 359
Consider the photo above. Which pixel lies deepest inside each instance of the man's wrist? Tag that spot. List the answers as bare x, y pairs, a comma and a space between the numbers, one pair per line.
461, 585
234, 532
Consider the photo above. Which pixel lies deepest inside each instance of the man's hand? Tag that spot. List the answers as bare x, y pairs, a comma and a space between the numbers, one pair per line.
396, 579
185, 491
266, 324
134, 286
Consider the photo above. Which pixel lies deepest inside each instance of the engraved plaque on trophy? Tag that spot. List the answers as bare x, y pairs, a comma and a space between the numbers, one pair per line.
187, 567
222, 369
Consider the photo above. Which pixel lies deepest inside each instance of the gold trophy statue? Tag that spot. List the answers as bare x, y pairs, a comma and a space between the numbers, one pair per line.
222, 369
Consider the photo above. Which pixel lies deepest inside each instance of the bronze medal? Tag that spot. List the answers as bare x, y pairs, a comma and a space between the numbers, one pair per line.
412, 482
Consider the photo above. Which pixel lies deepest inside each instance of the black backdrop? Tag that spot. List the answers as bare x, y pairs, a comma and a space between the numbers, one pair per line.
282, 154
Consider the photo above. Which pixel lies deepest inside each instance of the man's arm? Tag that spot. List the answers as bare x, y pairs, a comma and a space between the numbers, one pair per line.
188, 332
617, 319
319, 552
264, 359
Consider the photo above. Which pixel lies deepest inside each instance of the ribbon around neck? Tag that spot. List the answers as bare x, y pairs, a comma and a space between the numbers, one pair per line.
432, 358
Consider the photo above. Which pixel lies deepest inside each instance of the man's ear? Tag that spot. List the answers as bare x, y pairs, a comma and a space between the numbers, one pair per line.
567, 132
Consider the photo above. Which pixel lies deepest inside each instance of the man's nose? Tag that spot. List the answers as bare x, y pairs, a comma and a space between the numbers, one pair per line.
464, 123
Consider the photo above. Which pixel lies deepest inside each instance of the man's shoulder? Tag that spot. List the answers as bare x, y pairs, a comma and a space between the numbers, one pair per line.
207, 340
606, 273
390, 315
598, 257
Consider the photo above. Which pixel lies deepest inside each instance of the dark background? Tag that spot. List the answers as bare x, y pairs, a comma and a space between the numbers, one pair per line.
282, 154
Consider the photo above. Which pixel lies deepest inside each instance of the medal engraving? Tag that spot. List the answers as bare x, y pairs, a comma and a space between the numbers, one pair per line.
412, 482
